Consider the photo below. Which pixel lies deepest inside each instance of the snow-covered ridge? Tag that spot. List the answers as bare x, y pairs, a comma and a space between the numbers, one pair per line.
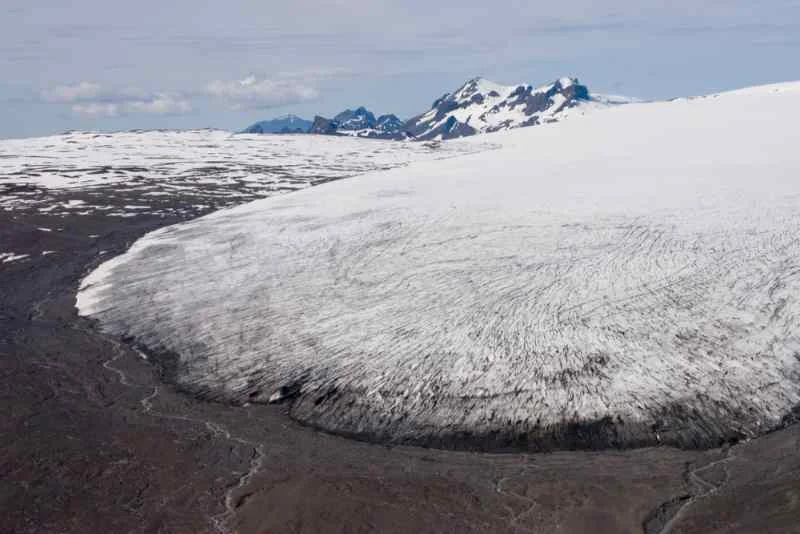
482, 106
637, 285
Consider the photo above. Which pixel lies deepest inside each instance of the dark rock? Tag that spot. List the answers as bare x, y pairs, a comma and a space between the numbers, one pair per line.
358, 119
323, 126
282, 125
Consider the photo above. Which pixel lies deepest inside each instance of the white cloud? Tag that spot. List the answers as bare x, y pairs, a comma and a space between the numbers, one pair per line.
162, 104
254, 93
90, 99
73, 93
96, 109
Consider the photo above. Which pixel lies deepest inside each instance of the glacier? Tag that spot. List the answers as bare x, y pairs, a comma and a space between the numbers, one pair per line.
627, 278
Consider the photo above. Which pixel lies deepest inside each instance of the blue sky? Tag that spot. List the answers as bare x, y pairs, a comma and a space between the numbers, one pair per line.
109, 65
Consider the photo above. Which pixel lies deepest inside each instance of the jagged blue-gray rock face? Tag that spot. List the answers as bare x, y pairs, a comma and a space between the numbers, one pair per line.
358, 119
281, 125
639, 284
361, 123
323, 126
389, 124
355, 123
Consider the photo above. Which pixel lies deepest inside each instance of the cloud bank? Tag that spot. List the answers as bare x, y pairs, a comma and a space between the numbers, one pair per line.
252, 93
92, 100
163, 104
72, 93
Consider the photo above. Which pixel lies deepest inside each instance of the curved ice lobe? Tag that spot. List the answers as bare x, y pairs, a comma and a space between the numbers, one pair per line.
625, 290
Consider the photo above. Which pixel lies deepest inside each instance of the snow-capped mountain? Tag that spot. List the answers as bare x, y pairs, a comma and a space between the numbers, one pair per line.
481, 106
478, 106
286, 124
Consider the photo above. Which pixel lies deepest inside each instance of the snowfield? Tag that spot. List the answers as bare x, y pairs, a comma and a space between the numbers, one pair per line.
220, 168
630, 277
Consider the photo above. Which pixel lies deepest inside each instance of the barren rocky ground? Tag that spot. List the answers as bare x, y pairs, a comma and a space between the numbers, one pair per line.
92, 440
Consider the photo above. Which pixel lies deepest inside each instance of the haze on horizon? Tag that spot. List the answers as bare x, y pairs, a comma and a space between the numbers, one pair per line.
100, 65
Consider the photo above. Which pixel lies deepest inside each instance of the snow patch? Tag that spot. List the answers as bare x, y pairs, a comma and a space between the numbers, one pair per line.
8, 257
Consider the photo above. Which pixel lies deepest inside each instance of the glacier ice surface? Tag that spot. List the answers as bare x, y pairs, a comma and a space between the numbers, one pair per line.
630, 277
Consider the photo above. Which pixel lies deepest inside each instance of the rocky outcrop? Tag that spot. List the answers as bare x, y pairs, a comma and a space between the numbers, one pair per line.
354, 120
280, 125
323, 126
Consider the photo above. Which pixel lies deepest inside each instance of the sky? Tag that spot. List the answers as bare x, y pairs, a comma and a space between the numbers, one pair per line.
112, 65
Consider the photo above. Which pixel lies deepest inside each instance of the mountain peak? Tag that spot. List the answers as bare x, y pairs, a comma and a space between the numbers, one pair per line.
360, 122
481, 105
357, 119
477, 106
321, 125
478, 86
285, 124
